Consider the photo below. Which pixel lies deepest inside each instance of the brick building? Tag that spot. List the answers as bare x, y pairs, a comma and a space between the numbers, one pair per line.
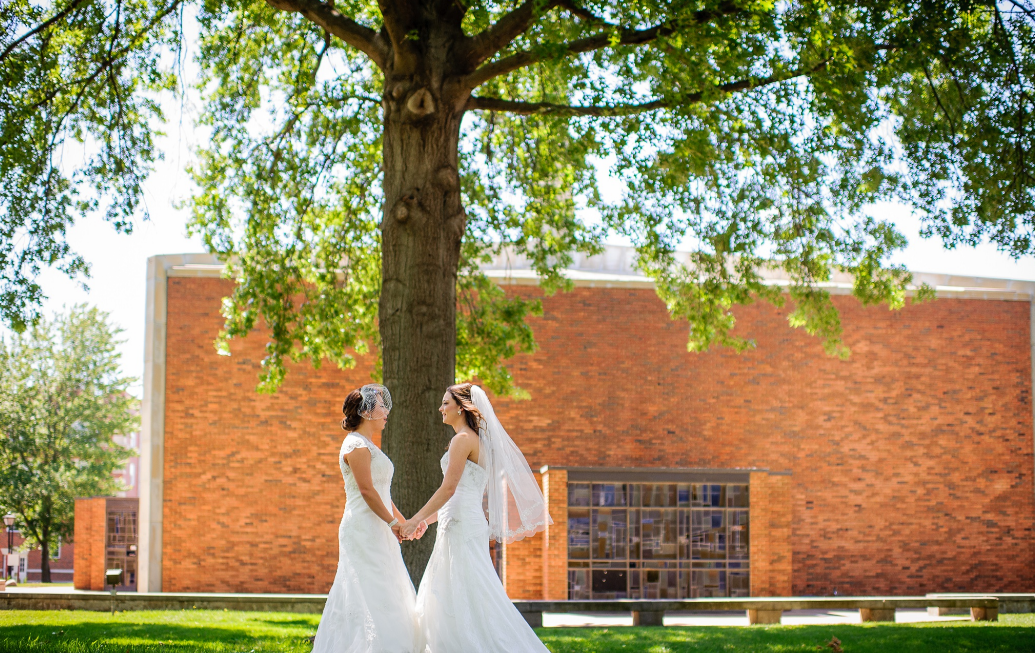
906, 469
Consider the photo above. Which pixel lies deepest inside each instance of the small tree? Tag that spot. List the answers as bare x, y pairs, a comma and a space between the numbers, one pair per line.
62, 399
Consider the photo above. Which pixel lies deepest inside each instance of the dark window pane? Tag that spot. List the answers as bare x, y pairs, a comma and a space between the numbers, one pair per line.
707, 583
578, 533
634, 495
610, 584
660, 584
635, 591
578, 587
707, 496
660, 495
708, 537
683, 495
739, 543
737, 496
740, 583
578, 494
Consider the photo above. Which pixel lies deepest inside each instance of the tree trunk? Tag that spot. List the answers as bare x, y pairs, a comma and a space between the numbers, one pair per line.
45, 561
422, 226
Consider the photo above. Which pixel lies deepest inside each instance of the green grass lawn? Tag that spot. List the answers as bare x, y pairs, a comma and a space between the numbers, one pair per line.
243, 632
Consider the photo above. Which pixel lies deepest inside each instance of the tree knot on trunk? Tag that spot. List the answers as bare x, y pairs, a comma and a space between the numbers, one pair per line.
406, 206
420, 103
447, 178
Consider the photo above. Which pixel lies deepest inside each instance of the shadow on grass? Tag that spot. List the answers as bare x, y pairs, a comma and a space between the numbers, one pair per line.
147, 637
289, 622
884, 638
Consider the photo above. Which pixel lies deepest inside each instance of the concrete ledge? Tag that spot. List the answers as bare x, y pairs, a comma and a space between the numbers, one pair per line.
1009, 603
648, 618
876, 614
764, 610
759, 603
764, 616
104, 602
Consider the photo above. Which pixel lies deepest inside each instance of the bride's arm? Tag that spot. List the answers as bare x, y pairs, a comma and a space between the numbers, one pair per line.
359, 462
459, 449
398, 515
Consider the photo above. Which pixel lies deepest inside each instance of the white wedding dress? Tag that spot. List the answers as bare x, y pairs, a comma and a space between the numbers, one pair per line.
462, 605
370, 608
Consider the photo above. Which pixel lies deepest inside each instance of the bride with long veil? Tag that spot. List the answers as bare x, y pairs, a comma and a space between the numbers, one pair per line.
461, 605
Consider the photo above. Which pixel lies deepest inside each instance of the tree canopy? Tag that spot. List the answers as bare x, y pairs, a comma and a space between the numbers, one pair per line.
62, 401
755, 133
363, 151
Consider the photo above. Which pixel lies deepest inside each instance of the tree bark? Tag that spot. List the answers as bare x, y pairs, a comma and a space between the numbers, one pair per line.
45, 561
422, 226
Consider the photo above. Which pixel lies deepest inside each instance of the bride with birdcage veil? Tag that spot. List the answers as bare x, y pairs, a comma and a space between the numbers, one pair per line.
371, 605
462, 605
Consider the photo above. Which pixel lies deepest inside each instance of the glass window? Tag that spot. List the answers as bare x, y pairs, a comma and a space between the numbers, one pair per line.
578, 494
738, 523
578, 588
708, 539
610, 584
736, 496
578, 533
609, 538
707, 583
658, 540
608, 495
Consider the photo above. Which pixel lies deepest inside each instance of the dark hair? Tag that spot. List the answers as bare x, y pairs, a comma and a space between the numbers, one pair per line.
351, 410
461, 393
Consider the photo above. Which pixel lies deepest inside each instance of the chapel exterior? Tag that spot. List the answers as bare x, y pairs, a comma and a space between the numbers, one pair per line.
905, 469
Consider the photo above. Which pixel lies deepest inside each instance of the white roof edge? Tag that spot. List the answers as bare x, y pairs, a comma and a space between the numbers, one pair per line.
615, 267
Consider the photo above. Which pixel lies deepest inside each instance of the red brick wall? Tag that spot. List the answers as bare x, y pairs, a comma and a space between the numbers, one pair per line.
911, 462
522, 565
90, 517
253, 492
769, 533
555, 538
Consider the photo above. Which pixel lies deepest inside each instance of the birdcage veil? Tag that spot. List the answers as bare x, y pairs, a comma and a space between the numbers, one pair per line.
517, 508
375, 396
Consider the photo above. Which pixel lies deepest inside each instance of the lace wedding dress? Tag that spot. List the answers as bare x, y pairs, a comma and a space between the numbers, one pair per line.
370, 608
462, 605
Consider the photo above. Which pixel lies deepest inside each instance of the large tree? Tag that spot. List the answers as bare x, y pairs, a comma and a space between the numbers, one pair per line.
364, 159
62, 401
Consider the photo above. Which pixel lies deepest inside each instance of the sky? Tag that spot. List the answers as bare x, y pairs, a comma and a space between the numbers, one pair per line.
119, 262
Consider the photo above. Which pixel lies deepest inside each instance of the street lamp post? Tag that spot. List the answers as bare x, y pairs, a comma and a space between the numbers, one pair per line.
9, 522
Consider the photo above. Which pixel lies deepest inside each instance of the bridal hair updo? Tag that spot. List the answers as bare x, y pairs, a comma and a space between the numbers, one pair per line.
350, 409
461, 393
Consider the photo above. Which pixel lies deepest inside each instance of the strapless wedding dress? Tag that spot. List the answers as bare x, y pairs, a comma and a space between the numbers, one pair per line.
370, 608
461, 605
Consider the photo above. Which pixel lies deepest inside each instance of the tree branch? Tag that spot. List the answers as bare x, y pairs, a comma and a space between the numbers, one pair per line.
21, 39
483, 45
591, 43
550, 109
326, 16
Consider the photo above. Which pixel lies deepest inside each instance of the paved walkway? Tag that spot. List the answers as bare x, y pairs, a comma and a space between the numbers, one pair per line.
790, 618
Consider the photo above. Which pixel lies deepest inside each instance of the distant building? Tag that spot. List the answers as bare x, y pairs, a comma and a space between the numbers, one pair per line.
129, 474
25, 565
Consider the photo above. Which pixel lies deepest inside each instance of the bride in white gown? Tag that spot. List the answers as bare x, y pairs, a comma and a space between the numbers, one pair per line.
462, 606
370, 608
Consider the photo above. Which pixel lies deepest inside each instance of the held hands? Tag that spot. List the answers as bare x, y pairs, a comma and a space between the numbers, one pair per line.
413, 530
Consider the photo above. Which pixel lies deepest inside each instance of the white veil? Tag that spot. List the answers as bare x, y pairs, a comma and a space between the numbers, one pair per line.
517, 508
